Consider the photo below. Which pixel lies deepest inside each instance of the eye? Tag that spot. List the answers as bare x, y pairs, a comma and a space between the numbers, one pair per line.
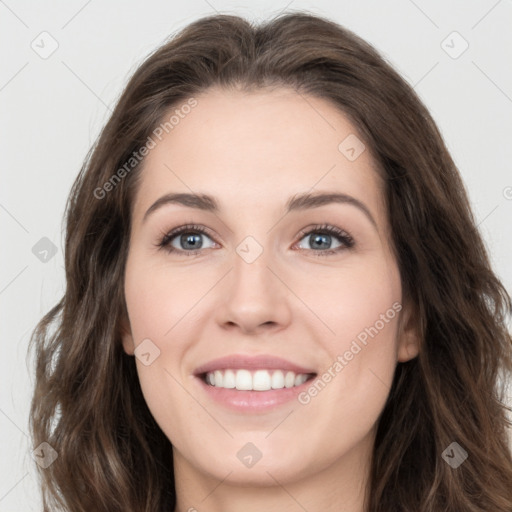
321, 238
188, 240
184, 239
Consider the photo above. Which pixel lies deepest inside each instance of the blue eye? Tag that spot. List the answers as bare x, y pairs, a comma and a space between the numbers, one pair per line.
323, 235
189, 237
188, 240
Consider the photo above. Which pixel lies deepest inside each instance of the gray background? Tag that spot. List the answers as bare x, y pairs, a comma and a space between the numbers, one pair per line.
52, 109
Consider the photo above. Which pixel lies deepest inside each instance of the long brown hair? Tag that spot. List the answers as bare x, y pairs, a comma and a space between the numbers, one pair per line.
87, 403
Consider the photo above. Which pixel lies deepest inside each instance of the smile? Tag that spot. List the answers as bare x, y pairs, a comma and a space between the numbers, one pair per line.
249, 383
258, 380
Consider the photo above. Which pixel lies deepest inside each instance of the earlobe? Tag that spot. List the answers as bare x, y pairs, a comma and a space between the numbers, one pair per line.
408, 337
127, 338
408, 351
128, 344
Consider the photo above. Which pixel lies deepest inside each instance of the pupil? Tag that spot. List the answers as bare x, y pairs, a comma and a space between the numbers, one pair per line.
318, 239
193, 240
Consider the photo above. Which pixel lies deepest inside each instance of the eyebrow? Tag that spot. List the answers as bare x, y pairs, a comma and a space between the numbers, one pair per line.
295, 203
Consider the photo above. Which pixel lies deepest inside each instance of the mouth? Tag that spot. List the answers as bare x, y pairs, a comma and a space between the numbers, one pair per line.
256, 380
252, 383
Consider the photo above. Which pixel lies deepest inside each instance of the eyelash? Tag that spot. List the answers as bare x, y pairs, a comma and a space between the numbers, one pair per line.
324, 229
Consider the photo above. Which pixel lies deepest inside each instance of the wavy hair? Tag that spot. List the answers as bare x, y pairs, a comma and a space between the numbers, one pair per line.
87, 402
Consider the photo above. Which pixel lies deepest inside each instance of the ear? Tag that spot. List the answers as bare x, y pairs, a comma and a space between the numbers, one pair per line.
408, 335
126, 336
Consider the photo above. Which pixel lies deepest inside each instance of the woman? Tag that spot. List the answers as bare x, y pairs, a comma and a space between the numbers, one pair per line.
277, 297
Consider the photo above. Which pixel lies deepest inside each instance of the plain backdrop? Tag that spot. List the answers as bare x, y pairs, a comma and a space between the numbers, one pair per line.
53, 106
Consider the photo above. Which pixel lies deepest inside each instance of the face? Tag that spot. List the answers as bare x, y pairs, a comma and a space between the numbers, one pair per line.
289, 306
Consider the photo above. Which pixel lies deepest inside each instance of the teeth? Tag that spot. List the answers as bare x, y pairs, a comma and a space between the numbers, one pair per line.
259, 380
229, 379
243, 380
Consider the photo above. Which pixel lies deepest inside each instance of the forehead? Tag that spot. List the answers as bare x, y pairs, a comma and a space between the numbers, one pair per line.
255, 150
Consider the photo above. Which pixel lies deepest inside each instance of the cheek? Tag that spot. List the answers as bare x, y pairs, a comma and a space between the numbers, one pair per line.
159, 300
359, 302
163, 308
362, 307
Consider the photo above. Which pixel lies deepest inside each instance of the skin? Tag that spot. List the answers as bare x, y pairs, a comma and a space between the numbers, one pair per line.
252, 152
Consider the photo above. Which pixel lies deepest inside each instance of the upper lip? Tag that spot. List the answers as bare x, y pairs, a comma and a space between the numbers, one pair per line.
246, 362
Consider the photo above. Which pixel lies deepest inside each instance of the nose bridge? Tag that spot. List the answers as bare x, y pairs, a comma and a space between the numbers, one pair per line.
251, 280
253, 294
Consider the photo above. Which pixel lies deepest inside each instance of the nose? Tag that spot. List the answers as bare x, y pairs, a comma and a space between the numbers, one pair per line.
255, 297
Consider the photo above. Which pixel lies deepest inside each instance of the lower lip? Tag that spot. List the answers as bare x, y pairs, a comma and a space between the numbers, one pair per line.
252, 401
